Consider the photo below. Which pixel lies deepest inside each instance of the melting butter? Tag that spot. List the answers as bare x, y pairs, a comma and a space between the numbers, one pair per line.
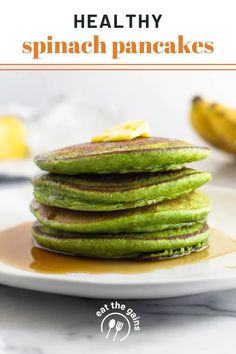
125, 131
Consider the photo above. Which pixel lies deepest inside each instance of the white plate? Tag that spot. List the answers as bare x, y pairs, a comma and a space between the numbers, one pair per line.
183, 280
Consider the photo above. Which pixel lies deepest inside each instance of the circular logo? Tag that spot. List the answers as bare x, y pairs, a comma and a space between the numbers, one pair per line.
115, 326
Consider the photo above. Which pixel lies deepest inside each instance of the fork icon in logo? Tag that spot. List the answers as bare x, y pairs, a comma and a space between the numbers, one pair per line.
119, 326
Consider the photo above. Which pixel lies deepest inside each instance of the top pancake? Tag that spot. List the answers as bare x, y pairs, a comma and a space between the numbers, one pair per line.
137, 155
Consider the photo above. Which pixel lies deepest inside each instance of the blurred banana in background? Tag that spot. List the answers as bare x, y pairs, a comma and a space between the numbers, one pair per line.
13, 140
215, 123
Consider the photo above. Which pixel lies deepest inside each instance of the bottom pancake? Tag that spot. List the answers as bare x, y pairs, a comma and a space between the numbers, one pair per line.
144, 246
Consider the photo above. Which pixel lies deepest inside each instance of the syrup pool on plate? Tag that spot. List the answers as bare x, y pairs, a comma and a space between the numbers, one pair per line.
18, 250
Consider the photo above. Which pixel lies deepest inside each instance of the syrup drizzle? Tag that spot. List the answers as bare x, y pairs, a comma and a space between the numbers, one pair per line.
18, 250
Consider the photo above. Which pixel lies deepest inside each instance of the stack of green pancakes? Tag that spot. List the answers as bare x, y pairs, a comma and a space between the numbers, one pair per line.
122, 200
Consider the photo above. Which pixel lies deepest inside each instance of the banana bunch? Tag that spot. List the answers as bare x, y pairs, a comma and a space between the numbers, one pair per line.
215, 123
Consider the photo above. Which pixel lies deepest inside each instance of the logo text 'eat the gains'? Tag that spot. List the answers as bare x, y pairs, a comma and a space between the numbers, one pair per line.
117, 320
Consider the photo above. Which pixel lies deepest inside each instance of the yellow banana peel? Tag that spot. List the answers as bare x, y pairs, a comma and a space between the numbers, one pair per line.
12, 138
215, 123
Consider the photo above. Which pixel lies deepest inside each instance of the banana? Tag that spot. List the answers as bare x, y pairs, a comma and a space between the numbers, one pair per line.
200, 122
215, 123
13, 140
223, 122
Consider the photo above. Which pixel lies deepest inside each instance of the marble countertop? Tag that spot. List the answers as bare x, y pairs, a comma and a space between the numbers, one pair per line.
40, 323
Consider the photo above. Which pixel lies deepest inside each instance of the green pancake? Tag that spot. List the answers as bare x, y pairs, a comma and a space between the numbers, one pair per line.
137, 155
115, 192
184, 210
158, 245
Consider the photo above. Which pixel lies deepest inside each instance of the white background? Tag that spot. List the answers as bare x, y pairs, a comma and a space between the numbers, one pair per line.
28, 20
73, 105
67, 107
163, 98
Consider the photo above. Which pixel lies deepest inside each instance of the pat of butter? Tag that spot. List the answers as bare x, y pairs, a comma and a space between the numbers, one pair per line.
12, 138
124, 131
